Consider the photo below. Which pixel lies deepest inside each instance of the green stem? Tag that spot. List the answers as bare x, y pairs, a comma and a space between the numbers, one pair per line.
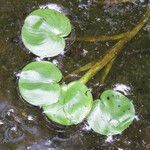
102, 38
106, 71
111, 2
115, 50
81, 69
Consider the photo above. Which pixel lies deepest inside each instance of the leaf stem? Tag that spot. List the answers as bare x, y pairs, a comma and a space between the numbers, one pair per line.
115, 50
106, 71
102, 37
81, 69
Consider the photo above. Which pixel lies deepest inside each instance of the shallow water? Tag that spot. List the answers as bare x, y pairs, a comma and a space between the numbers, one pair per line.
23, 126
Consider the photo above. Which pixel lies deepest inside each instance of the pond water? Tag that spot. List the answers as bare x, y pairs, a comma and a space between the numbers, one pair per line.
24, 127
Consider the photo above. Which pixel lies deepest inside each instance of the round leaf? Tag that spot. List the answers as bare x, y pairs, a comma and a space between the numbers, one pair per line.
57, 22
74, 105
38, 83
43, 32
42, 44
112, 114
56, 113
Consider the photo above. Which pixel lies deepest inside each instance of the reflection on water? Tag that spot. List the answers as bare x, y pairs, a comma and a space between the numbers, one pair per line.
55, 7
125, 89
25, 127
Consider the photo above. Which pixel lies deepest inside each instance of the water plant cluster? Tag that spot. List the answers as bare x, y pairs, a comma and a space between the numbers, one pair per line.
40, 84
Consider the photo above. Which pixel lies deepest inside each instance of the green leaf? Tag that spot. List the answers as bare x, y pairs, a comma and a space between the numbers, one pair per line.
38, 83
56, 113
73, 106
43, 32
112, 114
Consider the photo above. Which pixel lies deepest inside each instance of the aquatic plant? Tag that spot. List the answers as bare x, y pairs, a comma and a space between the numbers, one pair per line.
43, 32
70, 104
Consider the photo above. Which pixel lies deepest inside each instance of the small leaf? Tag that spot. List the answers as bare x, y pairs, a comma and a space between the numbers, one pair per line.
74, 105
112, 114
43, 32
38, 83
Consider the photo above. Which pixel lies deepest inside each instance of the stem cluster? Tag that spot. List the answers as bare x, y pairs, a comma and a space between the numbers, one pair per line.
112, 53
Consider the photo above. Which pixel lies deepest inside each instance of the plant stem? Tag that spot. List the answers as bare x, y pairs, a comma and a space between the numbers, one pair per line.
106, 71
115, 50
111, 2
81, 69
102, 37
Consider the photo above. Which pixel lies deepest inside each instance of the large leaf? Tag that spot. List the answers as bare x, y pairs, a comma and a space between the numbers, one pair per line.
43, 32
38, 83
112, 114
74, 105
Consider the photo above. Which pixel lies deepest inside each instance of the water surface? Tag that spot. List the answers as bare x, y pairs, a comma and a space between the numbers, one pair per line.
23, 126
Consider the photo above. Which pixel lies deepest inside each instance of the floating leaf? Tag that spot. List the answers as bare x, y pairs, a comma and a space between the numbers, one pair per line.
43, 32
74, 105
38, 83
112, 114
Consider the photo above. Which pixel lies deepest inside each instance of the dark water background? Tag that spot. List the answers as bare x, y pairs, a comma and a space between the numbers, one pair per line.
23, 127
